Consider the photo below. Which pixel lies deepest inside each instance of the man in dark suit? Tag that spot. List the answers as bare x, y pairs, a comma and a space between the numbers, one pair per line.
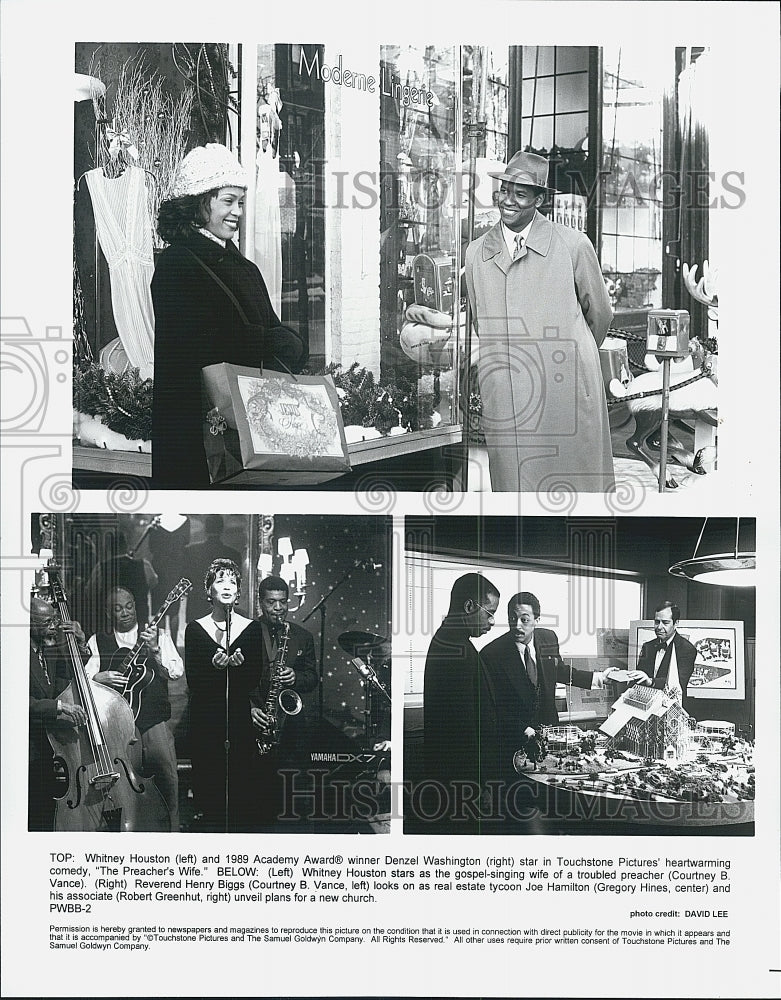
48, 679
452, 684
667, 662
521, 669
300, 667
298, 673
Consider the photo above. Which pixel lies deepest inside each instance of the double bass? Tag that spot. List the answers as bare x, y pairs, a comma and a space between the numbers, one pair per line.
104, 793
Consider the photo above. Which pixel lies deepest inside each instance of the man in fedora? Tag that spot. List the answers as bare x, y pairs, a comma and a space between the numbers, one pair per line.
541, 310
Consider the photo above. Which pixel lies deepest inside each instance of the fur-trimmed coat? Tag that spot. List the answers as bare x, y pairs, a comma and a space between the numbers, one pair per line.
196, 325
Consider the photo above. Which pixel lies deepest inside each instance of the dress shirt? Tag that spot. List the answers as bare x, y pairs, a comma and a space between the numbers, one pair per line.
673, 682
597, 678
509, 237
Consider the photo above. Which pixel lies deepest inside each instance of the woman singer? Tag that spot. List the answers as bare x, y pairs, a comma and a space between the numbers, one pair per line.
223, 663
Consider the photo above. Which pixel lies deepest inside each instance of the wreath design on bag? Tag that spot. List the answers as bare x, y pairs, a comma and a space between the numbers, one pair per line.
291, 418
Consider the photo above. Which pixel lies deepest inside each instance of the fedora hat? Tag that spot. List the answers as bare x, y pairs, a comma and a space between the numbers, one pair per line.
526, 168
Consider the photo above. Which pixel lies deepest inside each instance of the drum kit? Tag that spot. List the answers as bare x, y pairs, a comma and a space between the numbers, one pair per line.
367, 646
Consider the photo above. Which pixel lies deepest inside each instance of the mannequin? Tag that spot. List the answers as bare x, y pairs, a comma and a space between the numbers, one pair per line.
268, 227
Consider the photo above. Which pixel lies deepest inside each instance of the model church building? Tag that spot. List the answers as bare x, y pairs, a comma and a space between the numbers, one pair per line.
649, 723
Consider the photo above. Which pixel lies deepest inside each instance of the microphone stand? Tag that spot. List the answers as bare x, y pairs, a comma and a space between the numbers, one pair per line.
227, 743
369, 565
154, 523
369, 674
371, 683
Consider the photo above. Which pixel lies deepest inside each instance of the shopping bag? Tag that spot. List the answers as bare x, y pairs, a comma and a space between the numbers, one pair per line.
271, 428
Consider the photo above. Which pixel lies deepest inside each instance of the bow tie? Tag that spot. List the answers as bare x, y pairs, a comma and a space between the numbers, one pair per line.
661, 644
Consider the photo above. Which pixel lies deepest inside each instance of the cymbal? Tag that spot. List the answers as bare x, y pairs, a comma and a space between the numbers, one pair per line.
358, 643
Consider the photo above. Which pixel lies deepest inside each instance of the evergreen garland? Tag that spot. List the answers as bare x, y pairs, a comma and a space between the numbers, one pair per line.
123, 402
366, 403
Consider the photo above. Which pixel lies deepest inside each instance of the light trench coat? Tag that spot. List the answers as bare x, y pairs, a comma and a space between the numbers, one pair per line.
540, 321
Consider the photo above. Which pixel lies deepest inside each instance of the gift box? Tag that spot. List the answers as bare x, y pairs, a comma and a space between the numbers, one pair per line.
271, 429
433, 275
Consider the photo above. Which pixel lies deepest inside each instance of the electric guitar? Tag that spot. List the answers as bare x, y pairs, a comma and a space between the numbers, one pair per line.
137, 672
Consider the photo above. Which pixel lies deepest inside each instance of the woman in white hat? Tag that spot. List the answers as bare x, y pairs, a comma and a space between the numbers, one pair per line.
211, 306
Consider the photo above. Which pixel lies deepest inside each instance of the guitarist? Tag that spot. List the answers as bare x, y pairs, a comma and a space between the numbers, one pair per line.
157, 750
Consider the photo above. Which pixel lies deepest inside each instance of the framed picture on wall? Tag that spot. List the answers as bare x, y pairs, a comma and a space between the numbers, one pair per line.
719, 670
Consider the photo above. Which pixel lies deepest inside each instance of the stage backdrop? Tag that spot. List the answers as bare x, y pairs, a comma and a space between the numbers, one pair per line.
362, 602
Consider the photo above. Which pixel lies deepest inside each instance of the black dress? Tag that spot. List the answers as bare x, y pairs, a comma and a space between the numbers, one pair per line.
207, 728
197, 324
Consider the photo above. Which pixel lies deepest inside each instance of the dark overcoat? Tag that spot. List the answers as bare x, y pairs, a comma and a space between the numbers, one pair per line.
451, 702
197, 324
540, 320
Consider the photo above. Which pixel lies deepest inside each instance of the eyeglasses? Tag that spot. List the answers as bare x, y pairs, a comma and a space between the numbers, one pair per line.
490, 614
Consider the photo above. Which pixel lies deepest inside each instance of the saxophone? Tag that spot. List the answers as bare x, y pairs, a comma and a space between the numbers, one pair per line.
280, 701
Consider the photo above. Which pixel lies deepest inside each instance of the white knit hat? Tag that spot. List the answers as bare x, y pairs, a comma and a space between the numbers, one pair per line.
206, 168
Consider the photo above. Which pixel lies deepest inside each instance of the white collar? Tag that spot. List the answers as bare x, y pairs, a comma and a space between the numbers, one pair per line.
217, 632
510, 236
211, 236
127, 638
521, 645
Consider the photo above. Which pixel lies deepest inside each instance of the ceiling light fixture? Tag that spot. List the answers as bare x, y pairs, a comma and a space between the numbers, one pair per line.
732, 569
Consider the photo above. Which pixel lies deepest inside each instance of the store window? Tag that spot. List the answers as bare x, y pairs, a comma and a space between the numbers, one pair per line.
632, 128
355, 217
351, 215
289, 216
555, 96
486, 97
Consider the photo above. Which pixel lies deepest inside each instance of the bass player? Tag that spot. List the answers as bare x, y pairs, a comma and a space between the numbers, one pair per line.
157, 753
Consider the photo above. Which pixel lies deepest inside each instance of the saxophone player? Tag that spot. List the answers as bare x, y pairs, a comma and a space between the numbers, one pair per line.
289, 662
